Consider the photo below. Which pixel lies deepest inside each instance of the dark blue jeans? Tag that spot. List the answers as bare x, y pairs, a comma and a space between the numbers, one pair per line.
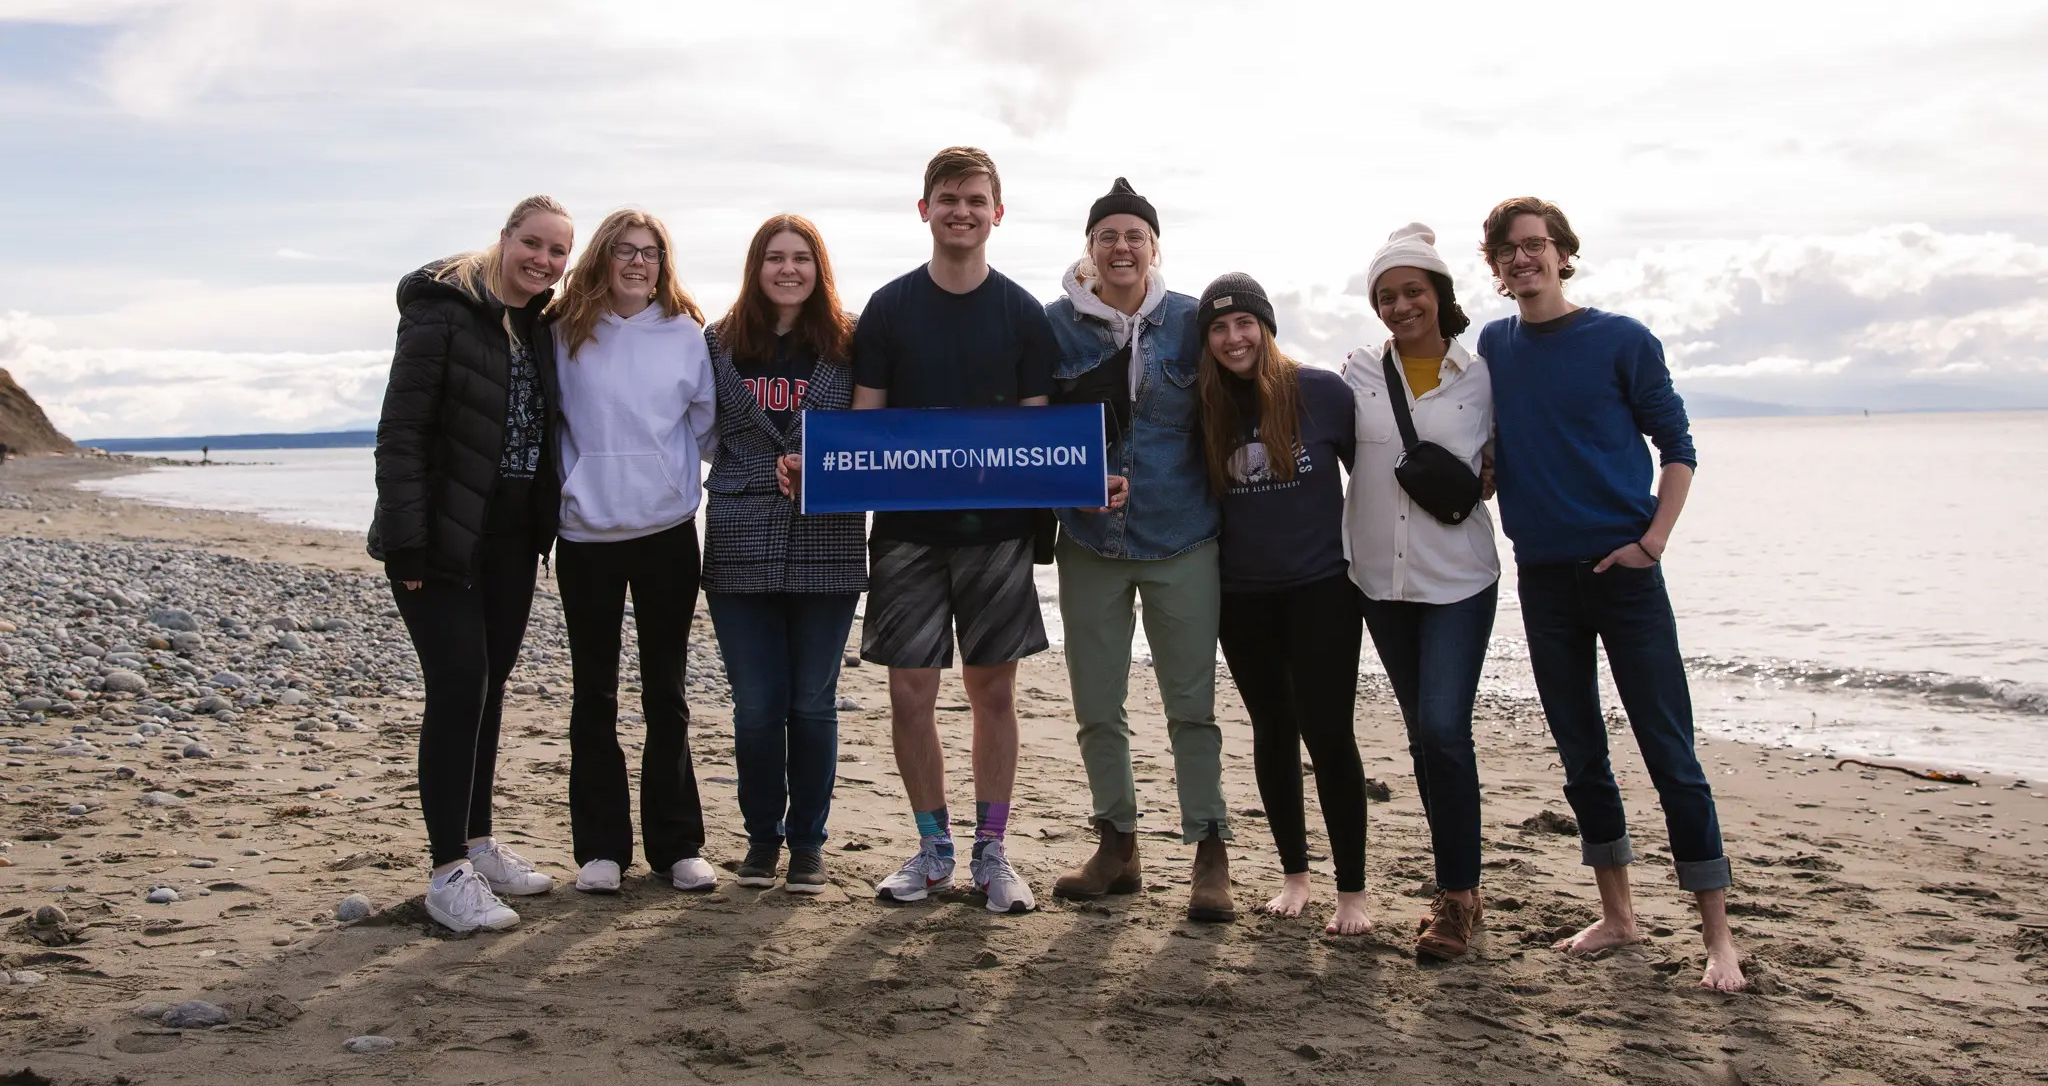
1565, 608
782, 655
1433, 653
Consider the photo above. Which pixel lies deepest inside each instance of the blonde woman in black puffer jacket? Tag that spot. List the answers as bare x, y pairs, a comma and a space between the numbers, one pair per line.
466, 493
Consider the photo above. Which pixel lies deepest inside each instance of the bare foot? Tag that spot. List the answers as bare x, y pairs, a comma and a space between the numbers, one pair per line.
1724, 968
1602, 935
1350, 918
1292, 897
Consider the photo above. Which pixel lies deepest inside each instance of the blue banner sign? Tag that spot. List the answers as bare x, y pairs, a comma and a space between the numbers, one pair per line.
954, 458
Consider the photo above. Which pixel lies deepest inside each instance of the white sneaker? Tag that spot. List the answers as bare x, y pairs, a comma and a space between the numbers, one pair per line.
508, 872
693, 874
918, 877
1007, 891
465, 903
598, 877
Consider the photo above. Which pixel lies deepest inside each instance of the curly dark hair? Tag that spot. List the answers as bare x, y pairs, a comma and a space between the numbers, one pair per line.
1502, 217
1450, 317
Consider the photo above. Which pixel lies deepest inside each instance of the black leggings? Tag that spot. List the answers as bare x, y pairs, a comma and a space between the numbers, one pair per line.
662, 571
467, 638
1294, 657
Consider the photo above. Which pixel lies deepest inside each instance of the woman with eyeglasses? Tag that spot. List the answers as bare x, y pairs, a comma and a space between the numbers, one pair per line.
781, 584
465, 508
1125, 342
638, 413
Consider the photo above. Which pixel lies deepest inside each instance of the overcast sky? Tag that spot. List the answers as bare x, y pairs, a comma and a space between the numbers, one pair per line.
206, 205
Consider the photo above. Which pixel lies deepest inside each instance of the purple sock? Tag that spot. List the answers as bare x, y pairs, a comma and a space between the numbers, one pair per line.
991, 821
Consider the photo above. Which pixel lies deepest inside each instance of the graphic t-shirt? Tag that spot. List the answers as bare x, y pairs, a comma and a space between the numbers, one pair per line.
526, 414
1284, 533
929, 347
779, 383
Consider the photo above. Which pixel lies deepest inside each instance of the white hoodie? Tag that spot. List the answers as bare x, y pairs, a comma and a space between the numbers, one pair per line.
1123, 327
638, 418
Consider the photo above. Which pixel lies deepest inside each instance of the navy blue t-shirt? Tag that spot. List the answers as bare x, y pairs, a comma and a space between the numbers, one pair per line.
1287, 533
778, 384
929, 347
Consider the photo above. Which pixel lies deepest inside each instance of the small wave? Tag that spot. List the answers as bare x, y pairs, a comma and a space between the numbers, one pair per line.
1938, 686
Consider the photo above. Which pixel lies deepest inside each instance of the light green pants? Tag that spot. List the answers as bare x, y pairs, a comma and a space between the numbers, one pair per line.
1182, 597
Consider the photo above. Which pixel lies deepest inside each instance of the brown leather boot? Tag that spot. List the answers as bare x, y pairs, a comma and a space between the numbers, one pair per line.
1209, 894
1114, 868
1449, 931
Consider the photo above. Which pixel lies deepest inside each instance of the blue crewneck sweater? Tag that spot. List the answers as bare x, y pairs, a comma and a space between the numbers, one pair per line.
1572, 407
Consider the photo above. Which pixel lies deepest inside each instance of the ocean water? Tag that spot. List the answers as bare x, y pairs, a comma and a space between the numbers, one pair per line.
1864, 586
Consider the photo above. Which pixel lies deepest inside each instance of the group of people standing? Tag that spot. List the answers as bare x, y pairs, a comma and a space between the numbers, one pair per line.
519, 422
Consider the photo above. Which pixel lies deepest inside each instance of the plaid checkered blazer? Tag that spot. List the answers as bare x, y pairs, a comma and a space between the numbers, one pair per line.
754, 538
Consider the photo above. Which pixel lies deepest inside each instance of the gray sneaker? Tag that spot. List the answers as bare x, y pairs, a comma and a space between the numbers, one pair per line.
918, 877
806, 872
1007, 891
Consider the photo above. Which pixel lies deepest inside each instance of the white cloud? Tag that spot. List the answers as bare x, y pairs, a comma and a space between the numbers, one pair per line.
1740, 193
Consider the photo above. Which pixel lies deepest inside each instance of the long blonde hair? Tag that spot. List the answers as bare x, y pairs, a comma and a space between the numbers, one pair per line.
587, 292
481, 274
1278, 381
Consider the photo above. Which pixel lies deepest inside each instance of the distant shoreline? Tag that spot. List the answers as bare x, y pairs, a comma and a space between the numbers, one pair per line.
328, 439
1703, 406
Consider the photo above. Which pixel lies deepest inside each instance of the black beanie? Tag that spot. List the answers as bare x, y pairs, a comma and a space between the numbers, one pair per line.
1234, 292
1122, 200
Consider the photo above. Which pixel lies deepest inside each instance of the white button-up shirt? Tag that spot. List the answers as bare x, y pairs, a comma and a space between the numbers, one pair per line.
1398, 551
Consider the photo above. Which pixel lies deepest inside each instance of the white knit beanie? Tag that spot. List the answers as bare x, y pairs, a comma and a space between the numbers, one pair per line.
1412, 246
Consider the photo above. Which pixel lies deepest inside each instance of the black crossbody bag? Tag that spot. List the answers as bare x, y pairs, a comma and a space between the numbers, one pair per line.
1434, 476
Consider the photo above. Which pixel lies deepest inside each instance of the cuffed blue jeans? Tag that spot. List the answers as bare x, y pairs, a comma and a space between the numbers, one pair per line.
1565, 609
782, 654
1433, 653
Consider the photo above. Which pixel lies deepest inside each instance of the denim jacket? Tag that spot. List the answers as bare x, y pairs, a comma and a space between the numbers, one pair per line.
1170, 509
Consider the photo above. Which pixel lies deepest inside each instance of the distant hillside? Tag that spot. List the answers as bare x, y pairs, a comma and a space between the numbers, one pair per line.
23, 426
332, 439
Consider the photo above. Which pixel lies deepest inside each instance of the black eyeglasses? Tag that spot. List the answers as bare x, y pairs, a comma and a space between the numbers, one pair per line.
1506, 249
1136, 239
651, 254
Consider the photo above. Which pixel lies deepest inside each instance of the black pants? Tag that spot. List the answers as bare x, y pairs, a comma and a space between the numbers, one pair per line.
661, 570
467, 639
1294, 657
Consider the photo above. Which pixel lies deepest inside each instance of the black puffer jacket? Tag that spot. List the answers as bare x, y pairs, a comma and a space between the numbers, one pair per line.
442, 432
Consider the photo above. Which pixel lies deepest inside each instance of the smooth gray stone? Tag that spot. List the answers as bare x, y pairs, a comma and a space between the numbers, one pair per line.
122, 681
195, 1014
173, 618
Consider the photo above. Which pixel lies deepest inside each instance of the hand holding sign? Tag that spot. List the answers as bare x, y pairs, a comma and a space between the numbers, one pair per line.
1119, 492
789, 474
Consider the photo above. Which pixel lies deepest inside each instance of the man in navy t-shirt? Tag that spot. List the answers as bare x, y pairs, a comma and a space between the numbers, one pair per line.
1575, 391
954, 333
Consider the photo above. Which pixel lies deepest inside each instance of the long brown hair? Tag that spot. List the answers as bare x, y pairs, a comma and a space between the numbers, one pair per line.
822, 327
1279, 387
480, 274
587, 292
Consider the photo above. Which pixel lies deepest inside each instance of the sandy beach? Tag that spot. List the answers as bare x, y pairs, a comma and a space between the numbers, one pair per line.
1894, 928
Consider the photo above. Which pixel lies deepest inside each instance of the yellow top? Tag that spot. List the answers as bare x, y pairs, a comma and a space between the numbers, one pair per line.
1424, 374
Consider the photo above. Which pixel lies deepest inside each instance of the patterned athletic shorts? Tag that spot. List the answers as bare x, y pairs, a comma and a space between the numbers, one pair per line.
918, 593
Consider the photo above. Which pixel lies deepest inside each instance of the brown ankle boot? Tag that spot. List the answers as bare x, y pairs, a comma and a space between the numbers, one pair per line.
1209, 894
1448, 934
1114, 868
